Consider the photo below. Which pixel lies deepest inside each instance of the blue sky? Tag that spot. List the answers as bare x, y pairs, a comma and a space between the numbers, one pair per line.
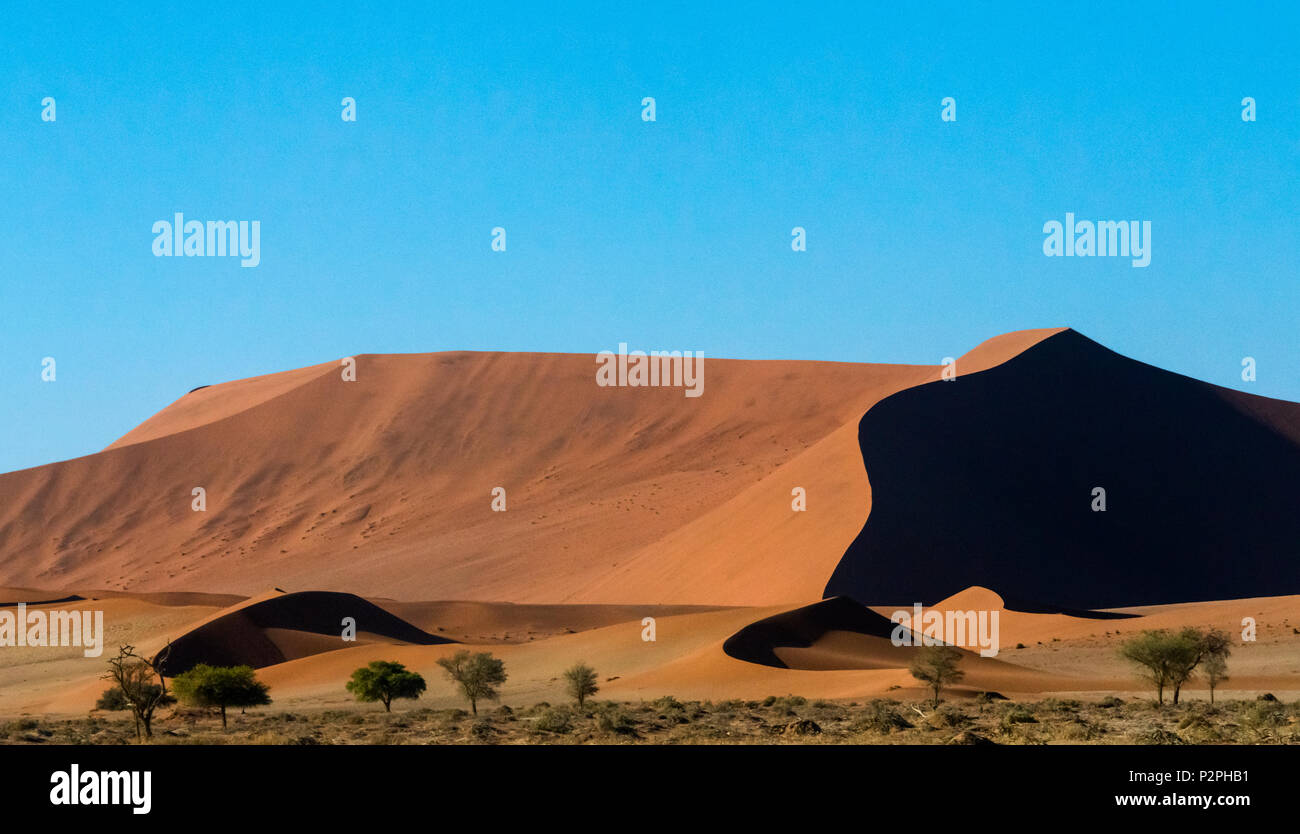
924, 237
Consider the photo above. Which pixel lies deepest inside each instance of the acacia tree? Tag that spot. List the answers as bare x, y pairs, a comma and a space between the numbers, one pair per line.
1187, 649
580, 681
478, 675
135, 676
936, 667
1169, 659
1218, 645
385, 680
1150, 651
221, 687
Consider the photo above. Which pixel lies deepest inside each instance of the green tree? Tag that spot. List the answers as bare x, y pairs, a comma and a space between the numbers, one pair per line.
580, 681
1168, 659
1187, 649
384, 681
221, 687
936, 667
1148, 652
134, 676
478, 675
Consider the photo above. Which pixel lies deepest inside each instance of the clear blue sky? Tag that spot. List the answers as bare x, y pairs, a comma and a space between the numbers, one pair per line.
924, 238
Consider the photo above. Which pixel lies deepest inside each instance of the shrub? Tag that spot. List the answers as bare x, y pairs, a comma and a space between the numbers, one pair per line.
554, 720
881, 716
946, 717
1079, 730
113, 699
483, 731
613, 720
1158, 735
580, 682
1017, 715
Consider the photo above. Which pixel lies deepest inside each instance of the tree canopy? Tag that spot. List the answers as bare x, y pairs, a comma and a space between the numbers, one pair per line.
221, 687
478, 675
385, 681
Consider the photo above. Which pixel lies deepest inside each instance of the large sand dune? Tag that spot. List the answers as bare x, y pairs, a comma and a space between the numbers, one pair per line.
989, 479
628, 503
383, 485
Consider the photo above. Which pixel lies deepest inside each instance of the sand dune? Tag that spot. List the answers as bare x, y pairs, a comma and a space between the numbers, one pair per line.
285, 626
382, 486
632, 503
989, 479
847, 635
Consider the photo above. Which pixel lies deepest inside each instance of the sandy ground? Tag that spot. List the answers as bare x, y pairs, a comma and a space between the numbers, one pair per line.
1062, 655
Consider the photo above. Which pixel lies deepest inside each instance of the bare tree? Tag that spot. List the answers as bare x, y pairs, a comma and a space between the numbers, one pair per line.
135, 676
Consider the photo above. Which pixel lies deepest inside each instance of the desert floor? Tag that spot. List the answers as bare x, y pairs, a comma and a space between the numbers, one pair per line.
1046, 660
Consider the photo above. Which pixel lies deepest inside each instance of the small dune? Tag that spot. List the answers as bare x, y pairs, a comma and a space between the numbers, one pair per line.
286, 626
836, 633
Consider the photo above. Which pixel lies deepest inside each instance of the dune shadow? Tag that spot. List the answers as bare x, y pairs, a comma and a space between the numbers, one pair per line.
991, 479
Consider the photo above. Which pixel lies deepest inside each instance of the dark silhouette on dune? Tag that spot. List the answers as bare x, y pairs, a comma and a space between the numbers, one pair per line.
803, 627
287, 627
988, 480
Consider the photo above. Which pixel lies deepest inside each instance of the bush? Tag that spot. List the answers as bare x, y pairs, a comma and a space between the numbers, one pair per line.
614, 720
113, 699
1077, 729
785, 704
1158, 735
580, 683
881, 716
669, 707
1265, 714
1060, 705
555, 721
1017, 715
483, 731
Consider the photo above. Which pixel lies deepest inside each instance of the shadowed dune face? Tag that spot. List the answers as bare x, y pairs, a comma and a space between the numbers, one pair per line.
802, 628
989, 479
285, 627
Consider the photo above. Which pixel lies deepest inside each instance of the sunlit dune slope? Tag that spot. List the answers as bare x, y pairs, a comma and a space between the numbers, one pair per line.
383, 486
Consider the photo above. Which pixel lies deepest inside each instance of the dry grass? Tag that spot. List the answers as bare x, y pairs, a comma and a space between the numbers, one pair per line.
775, 720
